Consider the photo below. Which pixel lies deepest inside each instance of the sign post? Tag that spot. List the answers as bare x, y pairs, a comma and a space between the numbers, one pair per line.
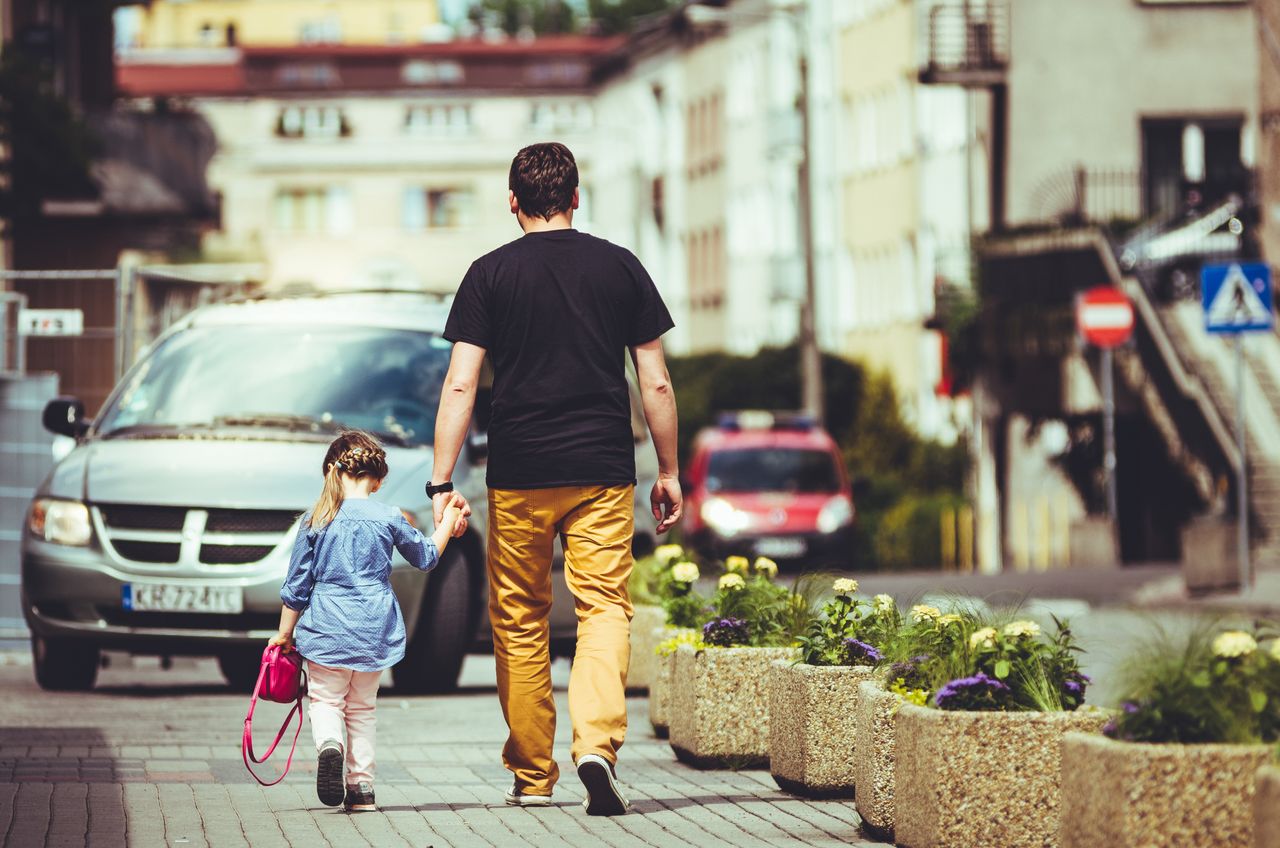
1104, 317
1237, 300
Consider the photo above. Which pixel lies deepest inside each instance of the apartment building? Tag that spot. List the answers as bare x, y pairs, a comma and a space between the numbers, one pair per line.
343, 165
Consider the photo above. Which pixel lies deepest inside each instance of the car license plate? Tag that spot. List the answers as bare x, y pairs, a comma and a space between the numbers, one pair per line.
781, 547
182, 597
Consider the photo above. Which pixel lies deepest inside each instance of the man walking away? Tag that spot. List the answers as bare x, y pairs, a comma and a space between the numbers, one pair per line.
557, 311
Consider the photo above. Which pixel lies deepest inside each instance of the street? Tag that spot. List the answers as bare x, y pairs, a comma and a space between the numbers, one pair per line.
150, 758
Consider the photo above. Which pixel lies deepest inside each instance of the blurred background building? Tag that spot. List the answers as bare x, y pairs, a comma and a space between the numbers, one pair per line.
970, 166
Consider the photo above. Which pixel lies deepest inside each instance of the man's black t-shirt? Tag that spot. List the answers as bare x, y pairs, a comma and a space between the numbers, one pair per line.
557, 310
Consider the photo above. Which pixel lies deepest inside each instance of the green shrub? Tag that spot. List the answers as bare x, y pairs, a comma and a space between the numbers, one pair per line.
909, 534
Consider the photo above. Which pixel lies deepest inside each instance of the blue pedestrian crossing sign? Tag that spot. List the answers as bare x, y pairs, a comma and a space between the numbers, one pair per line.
1237, 297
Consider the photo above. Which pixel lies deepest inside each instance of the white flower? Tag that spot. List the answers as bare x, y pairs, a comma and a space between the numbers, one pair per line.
668, 553
685, 572
767, 567
736, 565
845, 586
924, 612
984, 638
1021, 628
1234, 643
884, 603
732, 581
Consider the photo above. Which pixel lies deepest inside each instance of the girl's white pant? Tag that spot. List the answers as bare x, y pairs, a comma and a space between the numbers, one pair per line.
342, 699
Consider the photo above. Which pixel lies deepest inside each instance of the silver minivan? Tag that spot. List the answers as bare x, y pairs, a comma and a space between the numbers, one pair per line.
167, 529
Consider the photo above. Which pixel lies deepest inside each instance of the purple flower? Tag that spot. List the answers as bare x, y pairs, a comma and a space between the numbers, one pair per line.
1109, 729
726, 632
1129, 707
977, 692
1075, 687
858, 650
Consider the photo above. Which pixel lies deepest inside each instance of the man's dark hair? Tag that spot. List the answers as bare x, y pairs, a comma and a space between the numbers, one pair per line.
543, 177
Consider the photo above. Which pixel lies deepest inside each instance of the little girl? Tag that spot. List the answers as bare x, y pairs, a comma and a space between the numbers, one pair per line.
340, 610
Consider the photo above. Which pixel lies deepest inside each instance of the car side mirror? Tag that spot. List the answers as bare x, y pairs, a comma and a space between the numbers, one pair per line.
477, 447
65, 416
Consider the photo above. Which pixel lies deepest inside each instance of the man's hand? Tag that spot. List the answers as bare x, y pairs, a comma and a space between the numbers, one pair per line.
667, 501
445, 500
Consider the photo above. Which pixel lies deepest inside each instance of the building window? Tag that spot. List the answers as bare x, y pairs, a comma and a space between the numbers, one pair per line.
312, 122
327, 30
208, 35
557, 73
561, 117
438, 119
437, 208
425, 72
307, 74
313, 210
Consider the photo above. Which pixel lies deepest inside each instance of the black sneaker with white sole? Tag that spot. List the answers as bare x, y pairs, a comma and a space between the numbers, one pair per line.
360, 798
330, 788
604, 796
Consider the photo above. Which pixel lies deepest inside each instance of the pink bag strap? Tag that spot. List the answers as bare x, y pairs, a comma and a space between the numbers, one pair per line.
246, 740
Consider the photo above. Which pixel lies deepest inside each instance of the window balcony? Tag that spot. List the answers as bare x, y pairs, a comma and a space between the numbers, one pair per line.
968, 44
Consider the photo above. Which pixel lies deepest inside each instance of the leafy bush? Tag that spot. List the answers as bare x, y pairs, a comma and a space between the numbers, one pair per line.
850, 630
1211, 685
910, 533
970, 662
669, 578
750, 609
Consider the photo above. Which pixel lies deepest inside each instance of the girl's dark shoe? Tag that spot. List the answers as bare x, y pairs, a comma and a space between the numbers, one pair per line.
329, 774
360, 798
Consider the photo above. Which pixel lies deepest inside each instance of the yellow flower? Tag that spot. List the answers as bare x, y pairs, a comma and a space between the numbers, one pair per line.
668, 553
1017, 629
1275, 649
845, 586
685, 572
732, 581
1234, 643
884, 603
681, 637
767, 567
736, 565
984, 638
924, 612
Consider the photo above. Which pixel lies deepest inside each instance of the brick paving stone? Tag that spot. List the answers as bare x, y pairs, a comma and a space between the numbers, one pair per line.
106, 825
69, 816
31, 810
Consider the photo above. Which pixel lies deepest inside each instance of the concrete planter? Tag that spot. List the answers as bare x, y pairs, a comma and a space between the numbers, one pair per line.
646, 623
978, 779
1266, 808
1122, 794
875, 755
720, 705
812, 727
660, 686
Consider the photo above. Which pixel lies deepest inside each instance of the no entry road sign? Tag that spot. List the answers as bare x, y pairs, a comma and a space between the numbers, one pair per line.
1105, 317
1237, 298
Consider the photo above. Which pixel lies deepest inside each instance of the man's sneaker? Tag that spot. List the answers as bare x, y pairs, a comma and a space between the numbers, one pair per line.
329, 773
604, 796
516, 798
360, 798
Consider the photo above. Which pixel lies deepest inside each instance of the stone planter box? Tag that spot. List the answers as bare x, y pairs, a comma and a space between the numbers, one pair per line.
664, 669
1266, 808
720, 705
646, 623
978, 779
812, 728
874, 757
1122, 794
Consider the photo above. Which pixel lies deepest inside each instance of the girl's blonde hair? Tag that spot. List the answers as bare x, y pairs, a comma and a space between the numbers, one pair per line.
356, 454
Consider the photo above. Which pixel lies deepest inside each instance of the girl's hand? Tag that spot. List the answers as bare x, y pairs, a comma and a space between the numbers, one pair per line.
452, 515
284, 640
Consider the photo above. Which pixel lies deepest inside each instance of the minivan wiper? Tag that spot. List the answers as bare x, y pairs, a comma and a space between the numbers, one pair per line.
300, 423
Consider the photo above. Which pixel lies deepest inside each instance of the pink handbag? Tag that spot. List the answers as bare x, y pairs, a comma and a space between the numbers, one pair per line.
283, 680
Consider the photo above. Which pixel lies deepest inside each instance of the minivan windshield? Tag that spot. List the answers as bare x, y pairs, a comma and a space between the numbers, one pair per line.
797, 470
386, 381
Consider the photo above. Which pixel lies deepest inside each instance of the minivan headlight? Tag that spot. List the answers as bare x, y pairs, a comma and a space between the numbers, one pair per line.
722, 517
836, 513
60, 522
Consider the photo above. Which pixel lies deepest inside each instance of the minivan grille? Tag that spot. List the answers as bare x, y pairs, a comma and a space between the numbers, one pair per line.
156, 534
131, 517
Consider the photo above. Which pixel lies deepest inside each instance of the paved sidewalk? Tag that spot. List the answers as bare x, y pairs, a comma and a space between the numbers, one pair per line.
151, 758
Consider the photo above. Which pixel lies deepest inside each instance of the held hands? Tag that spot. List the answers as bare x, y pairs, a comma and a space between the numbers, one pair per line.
451, 509
667, 501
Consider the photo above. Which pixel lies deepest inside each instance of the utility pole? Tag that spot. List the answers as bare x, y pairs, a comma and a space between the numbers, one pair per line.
810, 355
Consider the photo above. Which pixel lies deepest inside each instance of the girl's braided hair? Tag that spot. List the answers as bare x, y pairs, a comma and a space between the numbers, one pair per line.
355, 454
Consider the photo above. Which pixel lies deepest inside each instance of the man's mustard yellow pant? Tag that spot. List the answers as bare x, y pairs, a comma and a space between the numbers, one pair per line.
595, 525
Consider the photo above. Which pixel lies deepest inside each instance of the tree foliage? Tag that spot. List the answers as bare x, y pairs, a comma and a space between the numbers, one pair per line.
559, 17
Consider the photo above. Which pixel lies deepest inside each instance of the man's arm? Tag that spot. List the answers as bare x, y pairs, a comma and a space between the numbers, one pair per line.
659, 401
457, 399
